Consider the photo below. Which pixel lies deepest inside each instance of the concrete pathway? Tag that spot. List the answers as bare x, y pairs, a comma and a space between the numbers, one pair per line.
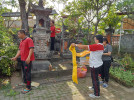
52, 89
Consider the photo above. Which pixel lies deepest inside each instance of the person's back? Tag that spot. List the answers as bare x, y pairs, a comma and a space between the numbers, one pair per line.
96, 55
95, 62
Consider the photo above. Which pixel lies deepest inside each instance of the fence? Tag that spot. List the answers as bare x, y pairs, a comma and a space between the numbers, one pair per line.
115, 40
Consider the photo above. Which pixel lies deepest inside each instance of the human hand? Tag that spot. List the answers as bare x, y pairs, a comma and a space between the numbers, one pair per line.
14, 59
73, 44
27, 60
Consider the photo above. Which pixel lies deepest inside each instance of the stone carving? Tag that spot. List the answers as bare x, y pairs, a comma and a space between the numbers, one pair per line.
42, 35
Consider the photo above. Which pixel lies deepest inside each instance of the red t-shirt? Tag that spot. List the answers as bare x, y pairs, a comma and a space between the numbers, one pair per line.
52, 31
24, 47
96, 47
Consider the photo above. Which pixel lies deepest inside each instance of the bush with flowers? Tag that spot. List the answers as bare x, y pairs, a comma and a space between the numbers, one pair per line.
125, 72
126, 77
127, 62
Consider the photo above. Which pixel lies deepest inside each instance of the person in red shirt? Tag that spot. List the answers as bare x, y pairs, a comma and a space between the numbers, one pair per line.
52, 28
26, 51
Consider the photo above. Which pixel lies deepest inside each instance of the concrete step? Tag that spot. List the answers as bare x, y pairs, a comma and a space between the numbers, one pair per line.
44, 74
60, 67
50, 74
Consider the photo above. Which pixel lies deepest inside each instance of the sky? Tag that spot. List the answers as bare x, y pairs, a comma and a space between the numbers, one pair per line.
57, 7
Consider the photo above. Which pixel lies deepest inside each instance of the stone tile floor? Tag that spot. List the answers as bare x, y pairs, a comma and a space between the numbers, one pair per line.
67, 90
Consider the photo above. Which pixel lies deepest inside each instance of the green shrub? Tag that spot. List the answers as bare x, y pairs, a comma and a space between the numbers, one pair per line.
85, 41
127, 62
6, 65
7, 46
123, 75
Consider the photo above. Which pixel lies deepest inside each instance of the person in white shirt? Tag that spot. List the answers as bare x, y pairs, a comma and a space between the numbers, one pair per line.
95, 62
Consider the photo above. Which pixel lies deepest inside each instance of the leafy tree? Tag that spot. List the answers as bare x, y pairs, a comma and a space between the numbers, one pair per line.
7, 47
93, 11
126, 7
25, 7
112, 20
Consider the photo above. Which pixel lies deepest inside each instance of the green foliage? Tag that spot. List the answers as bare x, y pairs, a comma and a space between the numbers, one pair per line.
111, 20
11, 93
5, 87
123, 75
8, 91
72, 24
7, 47
88, 14
6, 65
127, 62
85, 41
125, 5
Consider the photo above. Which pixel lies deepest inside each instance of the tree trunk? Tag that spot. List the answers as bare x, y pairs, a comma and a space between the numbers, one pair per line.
96, 28
24, 15
40, 3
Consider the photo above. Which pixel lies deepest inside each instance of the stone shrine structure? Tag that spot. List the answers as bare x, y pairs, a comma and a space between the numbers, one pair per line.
42, 35
41, 38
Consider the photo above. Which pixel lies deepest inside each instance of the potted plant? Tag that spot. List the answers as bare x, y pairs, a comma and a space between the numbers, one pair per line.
82, 71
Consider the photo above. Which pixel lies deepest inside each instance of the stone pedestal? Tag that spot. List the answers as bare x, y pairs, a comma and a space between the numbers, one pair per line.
42, 44
39, 65
41, 38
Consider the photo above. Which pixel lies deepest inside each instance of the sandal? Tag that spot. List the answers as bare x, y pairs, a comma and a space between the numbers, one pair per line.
21, 84
25, 91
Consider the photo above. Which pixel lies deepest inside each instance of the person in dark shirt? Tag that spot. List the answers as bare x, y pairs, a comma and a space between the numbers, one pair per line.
34, 28
106, 63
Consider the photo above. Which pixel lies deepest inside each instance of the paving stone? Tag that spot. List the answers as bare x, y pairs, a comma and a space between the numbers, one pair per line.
67, 90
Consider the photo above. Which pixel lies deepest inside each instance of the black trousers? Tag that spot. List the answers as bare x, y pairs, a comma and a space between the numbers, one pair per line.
95, 80
26, 68
52, 43
105, 70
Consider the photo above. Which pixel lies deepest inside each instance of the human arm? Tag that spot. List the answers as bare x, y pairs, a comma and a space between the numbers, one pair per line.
17, 55
85, 47
107, 54
109, 47
29, 56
